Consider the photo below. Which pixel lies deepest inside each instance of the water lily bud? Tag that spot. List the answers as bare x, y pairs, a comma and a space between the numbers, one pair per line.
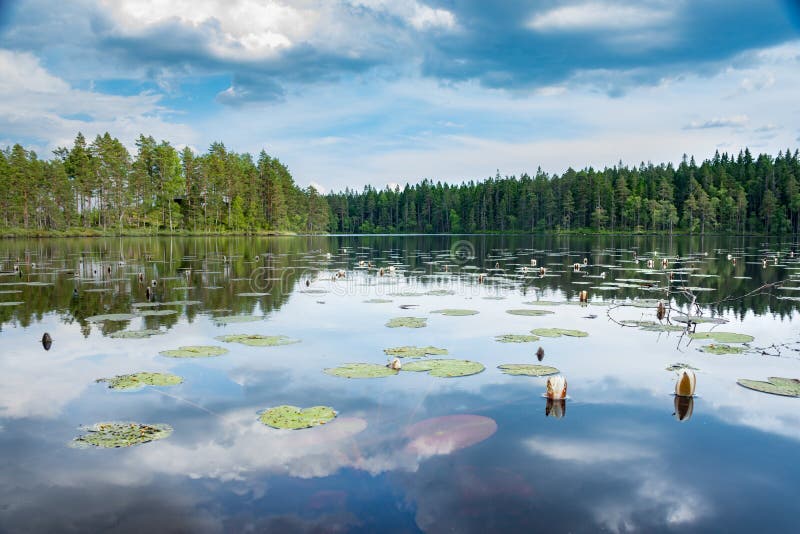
556, 387
685, 385
395, 364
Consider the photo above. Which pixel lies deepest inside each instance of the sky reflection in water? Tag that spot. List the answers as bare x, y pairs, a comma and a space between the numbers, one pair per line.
617, 459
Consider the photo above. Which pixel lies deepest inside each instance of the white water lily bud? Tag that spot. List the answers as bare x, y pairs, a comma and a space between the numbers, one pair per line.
395, 364
686, 383
556, 387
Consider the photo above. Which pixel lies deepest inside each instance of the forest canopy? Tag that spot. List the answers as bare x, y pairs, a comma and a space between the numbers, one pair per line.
100, 185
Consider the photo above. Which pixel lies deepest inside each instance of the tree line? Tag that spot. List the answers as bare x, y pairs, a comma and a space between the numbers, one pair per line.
102, 186
727, 193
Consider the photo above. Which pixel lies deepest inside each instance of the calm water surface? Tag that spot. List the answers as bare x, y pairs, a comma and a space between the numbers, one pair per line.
616, 458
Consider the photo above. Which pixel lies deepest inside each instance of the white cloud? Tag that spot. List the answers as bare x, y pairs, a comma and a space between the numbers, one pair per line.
588, 452
600, 16
36, 104
733, 121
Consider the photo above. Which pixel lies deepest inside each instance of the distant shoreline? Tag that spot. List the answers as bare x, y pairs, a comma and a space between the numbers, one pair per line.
11, 234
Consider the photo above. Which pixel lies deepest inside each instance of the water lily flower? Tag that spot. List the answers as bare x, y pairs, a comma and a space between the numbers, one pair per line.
556, 387
686, 383
395, 364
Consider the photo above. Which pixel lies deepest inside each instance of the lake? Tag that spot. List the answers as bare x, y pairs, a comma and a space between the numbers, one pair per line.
410, 451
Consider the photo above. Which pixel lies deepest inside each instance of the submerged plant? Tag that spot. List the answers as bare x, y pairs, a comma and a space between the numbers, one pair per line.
527, 369
113, 435
445, 368
195, 351
140, 380
257, 340
294, 418
679, 366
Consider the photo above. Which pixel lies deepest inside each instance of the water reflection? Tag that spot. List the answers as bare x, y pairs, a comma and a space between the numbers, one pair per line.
556, 408
408, 452
684, 406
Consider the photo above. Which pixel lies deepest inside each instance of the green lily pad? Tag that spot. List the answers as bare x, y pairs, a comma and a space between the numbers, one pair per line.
723, 337
378, 301
294, 418
112, 435
414, 352
679, 366
135, 334
663, 328
445, 368
530, 313
252, 294
361, 370
196, 351
156, 313
558, 332
452, 312
698, 319
233, 319
516, 338
256, 340
140, 380
110, 317
788, 387
543, 303
407, 322
721, 349
527, 369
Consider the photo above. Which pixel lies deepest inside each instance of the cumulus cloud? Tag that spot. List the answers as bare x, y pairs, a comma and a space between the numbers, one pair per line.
37, 105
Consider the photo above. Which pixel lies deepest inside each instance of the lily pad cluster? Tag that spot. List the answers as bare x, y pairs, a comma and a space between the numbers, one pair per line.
113, 435
294, 418
140, 380
257, 340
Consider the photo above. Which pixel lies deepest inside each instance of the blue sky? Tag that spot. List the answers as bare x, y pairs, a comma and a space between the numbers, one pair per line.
350, 92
